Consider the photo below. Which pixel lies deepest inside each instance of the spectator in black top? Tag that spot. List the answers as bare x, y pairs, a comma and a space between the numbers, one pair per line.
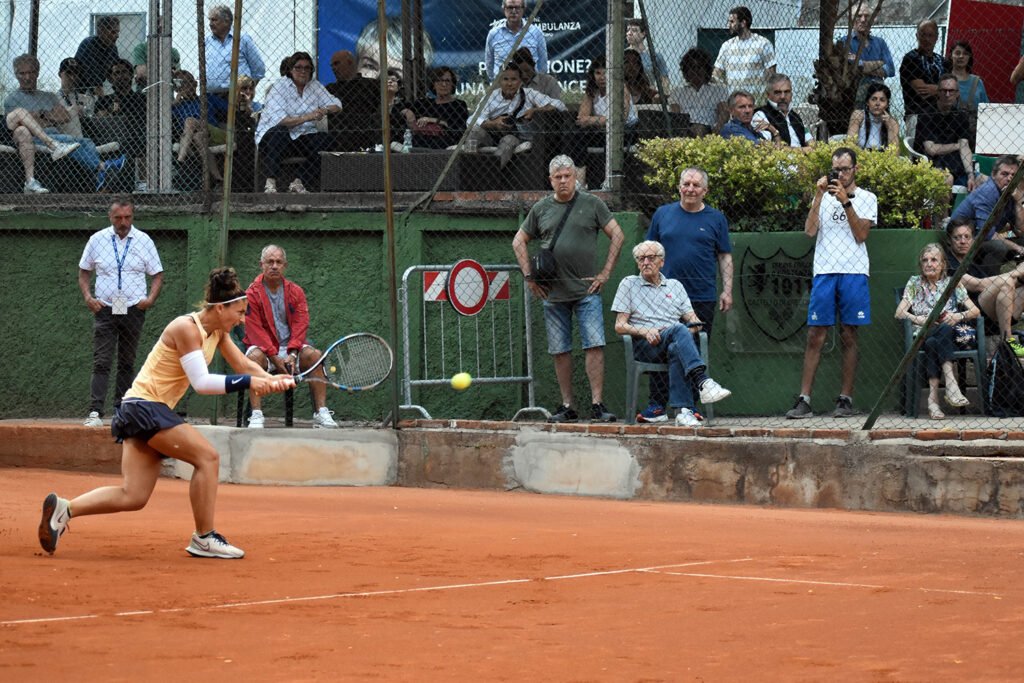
545, 83
640, 87
97, 53
943, 135
777, 121
356, 125
121, 115
919, 73
439, 122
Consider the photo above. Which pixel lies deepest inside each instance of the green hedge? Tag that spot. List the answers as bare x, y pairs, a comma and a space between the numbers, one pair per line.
762, 188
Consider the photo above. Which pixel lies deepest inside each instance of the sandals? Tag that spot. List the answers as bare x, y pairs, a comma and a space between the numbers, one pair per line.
934, 412
955, 398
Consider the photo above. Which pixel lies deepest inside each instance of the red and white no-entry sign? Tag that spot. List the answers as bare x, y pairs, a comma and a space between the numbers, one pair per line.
468, 287
471, 295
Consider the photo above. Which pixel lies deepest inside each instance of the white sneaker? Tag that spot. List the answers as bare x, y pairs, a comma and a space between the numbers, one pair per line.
523, 147
686, 418
33, 186
213, 545
93, 420
322, 419
256, 420
297, 187
711, 391
270, 187
54, 522
63, 149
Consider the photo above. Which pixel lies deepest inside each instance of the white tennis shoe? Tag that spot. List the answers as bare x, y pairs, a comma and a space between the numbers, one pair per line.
711, 391
213, 545
94, 420
56, 515
322, 419
256, 420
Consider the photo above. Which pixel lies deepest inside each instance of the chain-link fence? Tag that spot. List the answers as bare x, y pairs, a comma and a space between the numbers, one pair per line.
811, 288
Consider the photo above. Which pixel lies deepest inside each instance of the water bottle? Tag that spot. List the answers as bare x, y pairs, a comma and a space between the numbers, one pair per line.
407, 142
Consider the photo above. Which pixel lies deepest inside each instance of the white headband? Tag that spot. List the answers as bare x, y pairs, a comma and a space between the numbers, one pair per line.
229, 301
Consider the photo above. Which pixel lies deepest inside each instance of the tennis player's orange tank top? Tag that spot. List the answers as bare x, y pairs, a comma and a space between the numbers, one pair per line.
162, 378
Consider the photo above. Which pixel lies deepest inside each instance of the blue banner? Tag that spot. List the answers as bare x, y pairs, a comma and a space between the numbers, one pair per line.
456, 31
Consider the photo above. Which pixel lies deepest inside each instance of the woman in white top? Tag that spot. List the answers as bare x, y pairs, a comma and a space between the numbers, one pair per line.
287, 124
873, 127
592, 119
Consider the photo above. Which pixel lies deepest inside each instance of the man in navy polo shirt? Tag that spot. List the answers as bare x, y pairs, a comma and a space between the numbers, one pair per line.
697, 250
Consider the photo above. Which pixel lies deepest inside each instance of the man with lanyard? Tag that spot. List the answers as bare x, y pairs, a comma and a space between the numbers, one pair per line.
502, 37
122, 256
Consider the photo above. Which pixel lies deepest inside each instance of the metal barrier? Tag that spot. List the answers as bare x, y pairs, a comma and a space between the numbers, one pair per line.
464, 329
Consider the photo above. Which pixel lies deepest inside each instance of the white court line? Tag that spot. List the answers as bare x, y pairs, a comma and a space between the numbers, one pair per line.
838, 584
363, 594
657, 569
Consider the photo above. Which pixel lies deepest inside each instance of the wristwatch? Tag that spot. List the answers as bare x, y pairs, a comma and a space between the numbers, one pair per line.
847, 204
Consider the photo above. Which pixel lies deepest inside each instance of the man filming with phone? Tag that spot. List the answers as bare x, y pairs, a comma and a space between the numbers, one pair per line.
839, 220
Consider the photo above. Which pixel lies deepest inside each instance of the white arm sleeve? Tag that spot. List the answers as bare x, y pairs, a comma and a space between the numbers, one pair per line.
199, 375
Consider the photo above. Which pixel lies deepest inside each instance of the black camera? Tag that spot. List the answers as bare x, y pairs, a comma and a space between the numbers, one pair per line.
833, 176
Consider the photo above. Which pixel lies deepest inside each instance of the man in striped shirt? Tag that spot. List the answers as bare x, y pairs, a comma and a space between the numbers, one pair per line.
747, 60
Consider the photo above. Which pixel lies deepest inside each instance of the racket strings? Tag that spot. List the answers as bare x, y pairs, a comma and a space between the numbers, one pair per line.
359, 362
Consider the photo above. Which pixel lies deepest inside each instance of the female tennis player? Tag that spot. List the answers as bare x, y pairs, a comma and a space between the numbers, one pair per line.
150, 429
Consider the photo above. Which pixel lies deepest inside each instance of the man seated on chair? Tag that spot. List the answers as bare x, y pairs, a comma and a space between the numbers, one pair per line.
998, 246
649, 307
942, 135
506, 118
276, 322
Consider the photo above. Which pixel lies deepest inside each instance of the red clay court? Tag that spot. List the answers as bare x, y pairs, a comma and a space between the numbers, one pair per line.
414, 584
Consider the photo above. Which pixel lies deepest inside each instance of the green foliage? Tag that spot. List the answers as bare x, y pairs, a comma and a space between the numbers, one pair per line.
761, 188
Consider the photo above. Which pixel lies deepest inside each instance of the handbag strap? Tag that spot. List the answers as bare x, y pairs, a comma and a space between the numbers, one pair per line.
561, 223
522, 103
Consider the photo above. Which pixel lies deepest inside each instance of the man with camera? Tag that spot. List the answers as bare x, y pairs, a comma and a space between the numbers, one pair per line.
571, 220
839, 219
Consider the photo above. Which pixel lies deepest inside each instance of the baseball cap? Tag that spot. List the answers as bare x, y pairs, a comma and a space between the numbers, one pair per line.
69, 64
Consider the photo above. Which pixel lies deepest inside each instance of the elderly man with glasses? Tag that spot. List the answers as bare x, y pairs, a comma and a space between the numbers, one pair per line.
503, 36
656, 311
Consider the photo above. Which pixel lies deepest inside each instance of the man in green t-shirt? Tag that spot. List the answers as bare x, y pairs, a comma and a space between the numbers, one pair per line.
577, 290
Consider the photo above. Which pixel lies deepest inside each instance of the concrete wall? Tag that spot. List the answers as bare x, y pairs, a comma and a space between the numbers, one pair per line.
788, 468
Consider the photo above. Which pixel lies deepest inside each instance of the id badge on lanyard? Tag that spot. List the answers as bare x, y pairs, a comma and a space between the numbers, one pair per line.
119, 302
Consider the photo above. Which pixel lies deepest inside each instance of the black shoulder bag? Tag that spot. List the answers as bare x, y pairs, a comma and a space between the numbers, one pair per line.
543, 265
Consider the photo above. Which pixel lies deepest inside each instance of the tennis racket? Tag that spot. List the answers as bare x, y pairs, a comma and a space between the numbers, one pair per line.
353, 363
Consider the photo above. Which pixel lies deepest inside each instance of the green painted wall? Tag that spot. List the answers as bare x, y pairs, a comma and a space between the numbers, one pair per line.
339, 258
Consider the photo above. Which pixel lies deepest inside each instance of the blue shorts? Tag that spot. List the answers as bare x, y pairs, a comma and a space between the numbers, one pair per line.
848, 293
589, 311
140, 419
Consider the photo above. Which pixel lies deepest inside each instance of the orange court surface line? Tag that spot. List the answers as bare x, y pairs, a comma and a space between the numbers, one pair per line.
403, 584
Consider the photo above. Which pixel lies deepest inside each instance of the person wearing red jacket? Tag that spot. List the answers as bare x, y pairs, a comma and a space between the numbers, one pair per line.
276, 323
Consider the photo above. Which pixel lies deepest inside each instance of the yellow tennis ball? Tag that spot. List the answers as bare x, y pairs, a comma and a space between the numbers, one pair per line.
461, 381
334, 369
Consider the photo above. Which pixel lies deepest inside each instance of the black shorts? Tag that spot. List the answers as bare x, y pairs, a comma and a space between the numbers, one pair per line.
141, 419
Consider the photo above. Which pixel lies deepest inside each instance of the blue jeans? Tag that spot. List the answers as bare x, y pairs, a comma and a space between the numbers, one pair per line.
85, 156
678, 349
939, 347
657, 382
